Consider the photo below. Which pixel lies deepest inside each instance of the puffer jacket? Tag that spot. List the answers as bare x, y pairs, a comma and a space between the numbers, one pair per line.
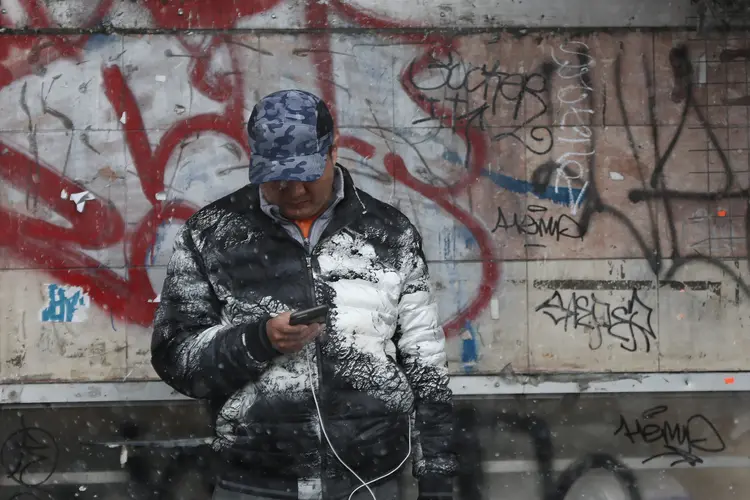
379, 365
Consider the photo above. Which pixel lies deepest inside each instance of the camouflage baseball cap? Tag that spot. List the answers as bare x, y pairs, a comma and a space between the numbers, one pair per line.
290, 134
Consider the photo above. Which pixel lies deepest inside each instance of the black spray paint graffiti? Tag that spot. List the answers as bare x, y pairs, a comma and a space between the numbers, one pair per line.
654, 189
472, 93
680, 440
629, 323
552, 486
534, 223
29, 456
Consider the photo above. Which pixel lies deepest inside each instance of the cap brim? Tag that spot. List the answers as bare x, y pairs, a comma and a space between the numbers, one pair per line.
299, 168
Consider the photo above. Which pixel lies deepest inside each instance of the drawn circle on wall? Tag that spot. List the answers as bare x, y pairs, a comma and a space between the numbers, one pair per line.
29, 456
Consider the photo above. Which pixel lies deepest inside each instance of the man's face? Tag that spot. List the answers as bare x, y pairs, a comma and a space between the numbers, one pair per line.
303, 200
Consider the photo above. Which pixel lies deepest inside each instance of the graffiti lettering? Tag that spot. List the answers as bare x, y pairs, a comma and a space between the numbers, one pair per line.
626, 323
575, 119
698, 433
65, 304
532, 224
462, 81
29, 455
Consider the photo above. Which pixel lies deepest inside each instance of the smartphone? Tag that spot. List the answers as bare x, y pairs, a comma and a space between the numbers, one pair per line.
309, 316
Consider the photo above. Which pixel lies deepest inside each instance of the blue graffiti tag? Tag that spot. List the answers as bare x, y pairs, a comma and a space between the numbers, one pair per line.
61, 308
559, 195
469, 353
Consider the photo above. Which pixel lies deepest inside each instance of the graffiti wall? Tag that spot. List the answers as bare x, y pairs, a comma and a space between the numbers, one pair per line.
583, 198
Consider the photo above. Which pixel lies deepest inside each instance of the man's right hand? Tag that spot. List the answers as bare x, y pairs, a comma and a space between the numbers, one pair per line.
289, 339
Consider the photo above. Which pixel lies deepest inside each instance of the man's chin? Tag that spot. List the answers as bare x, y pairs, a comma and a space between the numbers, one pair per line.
298, 214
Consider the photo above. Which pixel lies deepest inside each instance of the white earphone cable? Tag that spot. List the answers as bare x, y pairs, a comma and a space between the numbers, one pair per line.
365, 484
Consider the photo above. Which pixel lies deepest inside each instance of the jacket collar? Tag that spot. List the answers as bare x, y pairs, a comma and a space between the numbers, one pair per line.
349, 210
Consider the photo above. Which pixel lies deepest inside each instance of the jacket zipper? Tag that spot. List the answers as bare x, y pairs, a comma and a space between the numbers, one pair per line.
318, 356
313, 303
318, 349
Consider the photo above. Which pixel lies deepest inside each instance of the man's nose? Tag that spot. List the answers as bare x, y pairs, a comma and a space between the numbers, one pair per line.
295, 188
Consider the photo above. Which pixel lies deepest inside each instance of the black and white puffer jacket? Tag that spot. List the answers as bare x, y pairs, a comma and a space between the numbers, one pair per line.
379, 365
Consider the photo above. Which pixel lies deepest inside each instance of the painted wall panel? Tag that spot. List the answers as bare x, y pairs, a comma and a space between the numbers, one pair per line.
582, 197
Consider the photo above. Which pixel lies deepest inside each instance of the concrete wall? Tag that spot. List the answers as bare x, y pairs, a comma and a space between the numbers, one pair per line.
677, 447
624, 133
639, 139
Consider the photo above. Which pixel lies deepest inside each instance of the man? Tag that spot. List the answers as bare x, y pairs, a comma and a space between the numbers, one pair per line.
315, 411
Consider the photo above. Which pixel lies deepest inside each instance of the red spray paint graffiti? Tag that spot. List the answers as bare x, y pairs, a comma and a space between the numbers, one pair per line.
443, 196
40, 50
195, 14
59, 250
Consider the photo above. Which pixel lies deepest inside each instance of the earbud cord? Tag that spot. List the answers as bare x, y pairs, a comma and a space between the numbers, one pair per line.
365, 484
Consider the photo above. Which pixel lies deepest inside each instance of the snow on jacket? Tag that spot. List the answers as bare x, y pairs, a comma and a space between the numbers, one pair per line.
380, 361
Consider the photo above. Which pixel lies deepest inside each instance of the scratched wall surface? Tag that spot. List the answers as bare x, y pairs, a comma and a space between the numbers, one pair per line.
582, 198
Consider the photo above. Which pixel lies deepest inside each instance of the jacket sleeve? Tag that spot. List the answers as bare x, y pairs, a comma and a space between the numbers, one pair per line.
192, 349
421, 352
